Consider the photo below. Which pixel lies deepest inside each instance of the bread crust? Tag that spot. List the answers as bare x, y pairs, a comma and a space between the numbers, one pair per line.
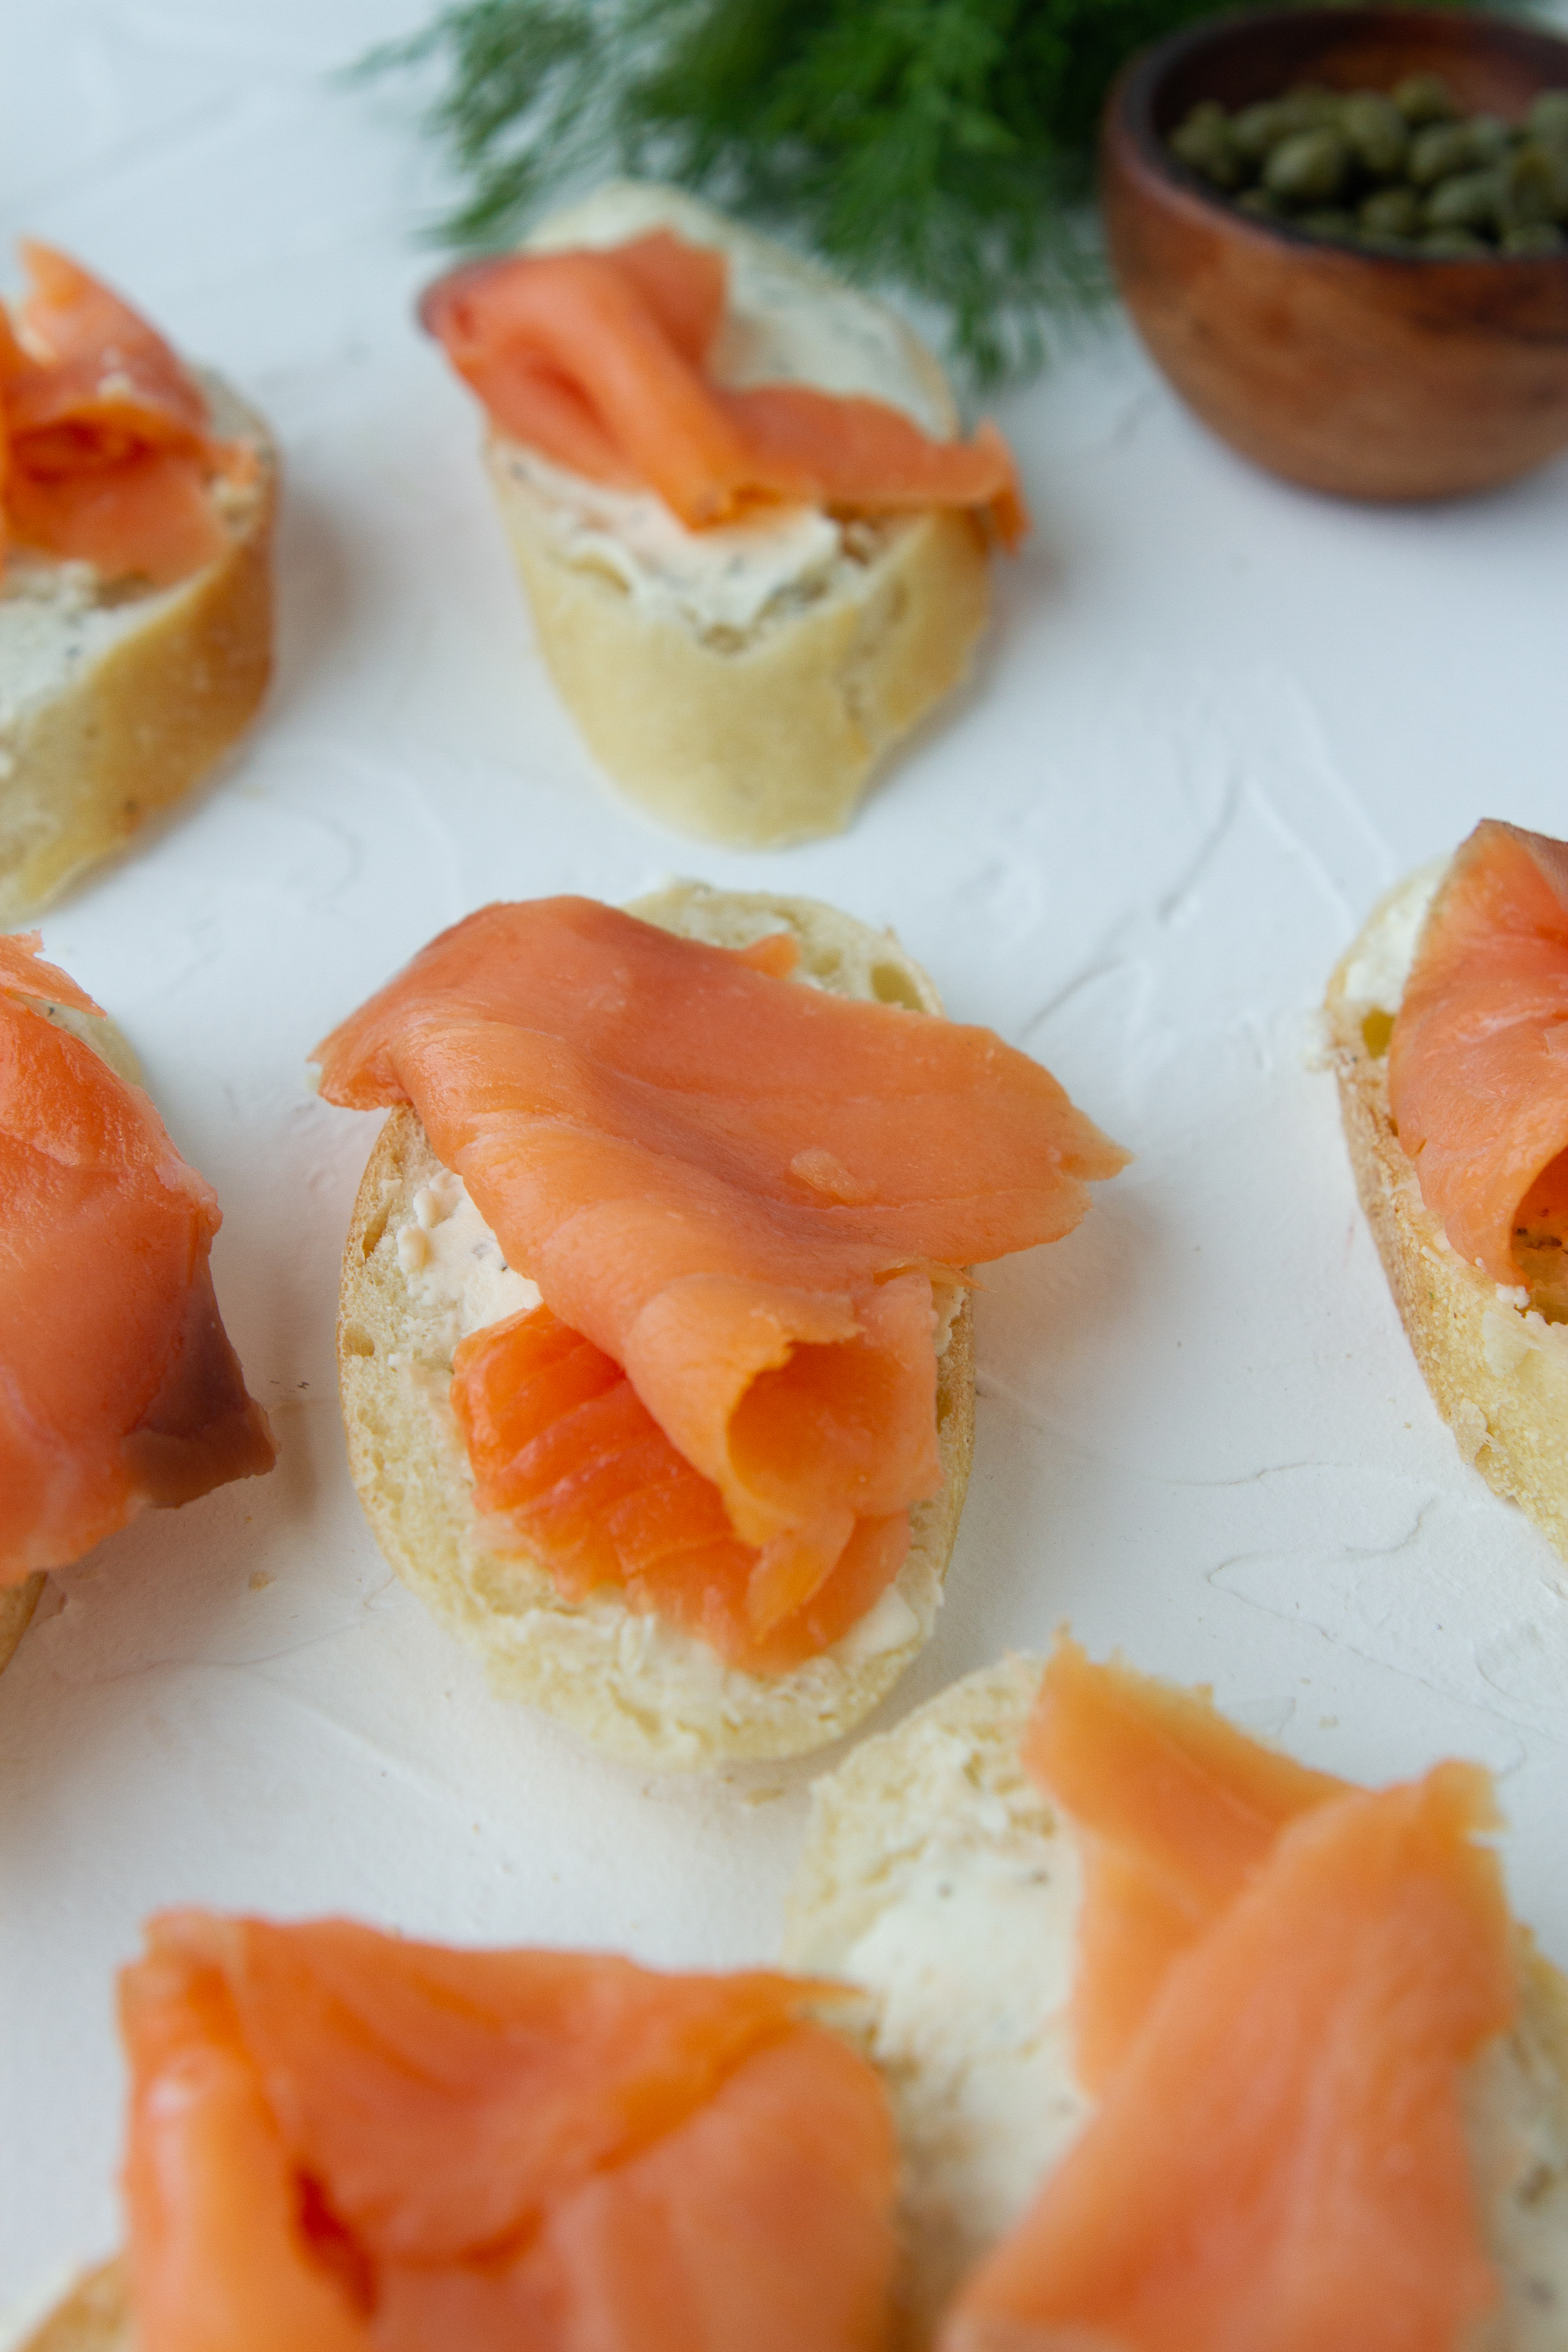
1497, 1375
773, 739
17, 1602
95, 2317
89, 765
645, 1692
949, 1779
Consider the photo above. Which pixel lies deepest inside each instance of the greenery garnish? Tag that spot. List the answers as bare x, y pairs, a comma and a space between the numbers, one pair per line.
944, 145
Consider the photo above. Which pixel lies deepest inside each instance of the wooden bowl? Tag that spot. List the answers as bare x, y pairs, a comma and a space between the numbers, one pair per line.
1374, 375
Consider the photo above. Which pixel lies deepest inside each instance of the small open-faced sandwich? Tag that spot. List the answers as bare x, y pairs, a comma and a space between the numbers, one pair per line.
1192, 2049
655, 1341
136, 502
118, 1385
1145, 2039
755, 549
1448, 1025
340, 2141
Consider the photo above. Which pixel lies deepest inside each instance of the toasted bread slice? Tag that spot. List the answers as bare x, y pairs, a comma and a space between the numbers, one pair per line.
761, 721
116, 699
632, 1686
937, 1877
1498, 1371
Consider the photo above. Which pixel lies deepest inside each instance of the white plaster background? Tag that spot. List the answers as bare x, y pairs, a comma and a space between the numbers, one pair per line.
1215, 719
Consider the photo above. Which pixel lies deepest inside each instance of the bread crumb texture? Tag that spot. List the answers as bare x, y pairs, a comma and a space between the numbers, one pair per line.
639, 1688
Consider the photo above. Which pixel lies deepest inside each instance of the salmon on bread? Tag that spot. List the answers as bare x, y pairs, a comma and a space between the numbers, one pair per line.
598, 357
1192, 2048
1279, 2153
740, 1200
118, 1388
1448, 1022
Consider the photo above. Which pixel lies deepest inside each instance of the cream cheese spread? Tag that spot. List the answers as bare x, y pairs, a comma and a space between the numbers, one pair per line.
454, 1267
788, 322
1377, 973
56, 621
943, 1887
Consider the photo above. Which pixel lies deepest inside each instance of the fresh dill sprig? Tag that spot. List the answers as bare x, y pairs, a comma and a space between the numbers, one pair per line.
943, 145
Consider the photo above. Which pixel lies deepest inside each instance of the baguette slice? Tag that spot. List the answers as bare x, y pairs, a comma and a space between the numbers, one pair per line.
114, 702
936, 1876
1498, 1371
762, 730
641, 1689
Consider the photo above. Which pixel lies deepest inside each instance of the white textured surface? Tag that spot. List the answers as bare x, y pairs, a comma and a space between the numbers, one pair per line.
1218, 717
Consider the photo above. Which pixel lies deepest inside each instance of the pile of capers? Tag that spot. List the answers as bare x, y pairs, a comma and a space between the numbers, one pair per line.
1401, 170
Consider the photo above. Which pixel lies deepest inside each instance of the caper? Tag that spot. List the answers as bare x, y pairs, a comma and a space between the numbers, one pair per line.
1327, 220
1548, 116
1204, 143
1453, 243
1392, 212
1256, 129
1535, 241
1436, 153
1425, 97
1309, 103
1469, 200
1536, 183
1378, 138
1307, 166
1490, 137
1529, 185
1260, 203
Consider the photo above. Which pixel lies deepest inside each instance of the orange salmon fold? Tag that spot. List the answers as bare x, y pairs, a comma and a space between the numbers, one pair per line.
1477, 1064
740, 1194
342, 2142
1174, 1810
1279, 2158
118, 1385
597, 358
108, 457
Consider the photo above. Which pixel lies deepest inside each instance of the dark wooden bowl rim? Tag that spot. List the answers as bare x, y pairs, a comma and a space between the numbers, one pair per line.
1136, 108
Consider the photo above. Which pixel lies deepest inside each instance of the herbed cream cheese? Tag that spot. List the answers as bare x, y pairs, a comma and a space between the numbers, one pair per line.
788, 322
454, 1267
941, 1882
56, 621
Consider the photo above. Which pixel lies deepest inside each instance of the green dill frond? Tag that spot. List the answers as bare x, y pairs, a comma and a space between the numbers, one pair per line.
945, 146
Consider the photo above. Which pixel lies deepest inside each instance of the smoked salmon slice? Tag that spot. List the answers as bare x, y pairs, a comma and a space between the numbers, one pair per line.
1279, 2158
1478, 1066
597, 358
741, 1193
1174, 1810
110, 460
118, 1385
343, 2142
